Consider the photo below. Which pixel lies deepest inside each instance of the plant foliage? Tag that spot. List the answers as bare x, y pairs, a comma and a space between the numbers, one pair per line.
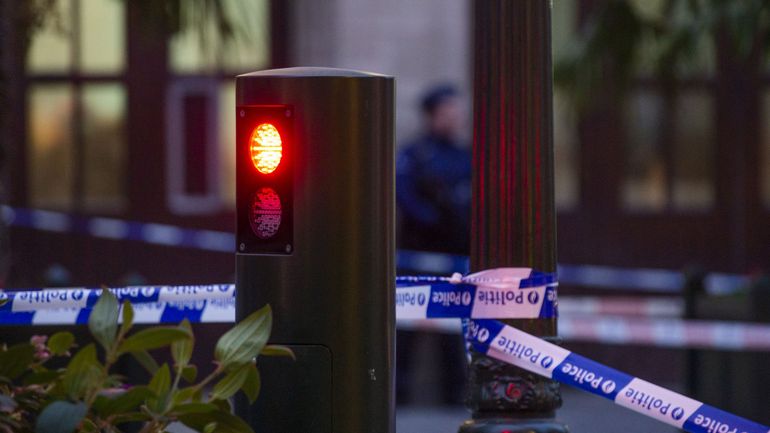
86, 396
620, 35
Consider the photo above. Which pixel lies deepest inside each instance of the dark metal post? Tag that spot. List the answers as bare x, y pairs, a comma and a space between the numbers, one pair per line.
314, 239
513, 220
694, 289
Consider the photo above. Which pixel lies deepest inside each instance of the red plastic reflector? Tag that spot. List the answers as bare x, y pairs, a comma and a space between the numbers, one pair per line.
265, 213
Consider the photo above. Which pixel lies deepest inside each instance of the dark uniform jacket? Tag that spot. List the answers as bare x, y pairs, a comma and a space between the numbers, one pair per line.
433, 191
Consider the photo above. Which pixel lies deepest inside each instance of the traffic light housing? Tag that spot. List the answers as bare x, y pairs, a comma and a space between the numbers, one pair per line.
264, 179
315, 240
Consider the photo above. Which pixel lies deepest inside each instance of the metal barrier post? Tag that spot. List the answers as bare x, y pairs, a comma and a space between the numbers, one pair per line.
693, 290
513, 221
314, 239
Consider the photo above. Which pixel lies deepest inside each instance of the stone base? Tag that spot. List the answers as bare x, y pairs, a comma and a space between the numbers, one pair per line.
510, 425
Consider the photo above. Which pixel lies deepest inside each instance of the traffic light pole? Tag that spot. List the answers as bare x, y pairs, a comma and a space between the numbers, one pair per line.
513, 217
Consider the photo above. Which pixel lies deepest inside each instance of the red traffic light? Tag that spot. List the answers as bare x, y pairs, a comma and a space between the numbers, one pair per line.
266, 148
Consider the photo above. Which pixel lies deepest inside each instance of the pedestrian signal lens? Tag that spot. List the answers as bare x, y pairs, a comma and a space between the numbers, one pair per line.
266, 148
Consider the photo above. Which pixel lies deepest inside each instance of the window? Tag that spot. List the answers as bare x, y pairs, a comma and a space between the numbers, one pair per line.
693, 186
76, 105
203, 49
669, 138
50, 146
669, 152
644, 186
104, 147
191, 134
566, 162
204, 63
566, 157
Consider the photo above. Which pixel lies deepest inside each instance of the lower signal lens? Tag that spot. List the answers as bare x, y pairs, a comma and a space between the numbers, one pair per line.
265, 213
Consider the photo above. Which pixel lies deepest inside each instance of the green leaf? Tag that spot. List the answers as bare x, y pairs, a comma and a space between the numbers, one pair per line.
87, 426
184, 394
153, 338
103, 321
161, 382
229, 423
82, 373
125, 402
146, 360
189, 373
16, 360
231, 383
60, 342
252, 384
60, 417
161, 386
130, 417
245, 340
224, 422
128, 318
41, 377
275, 350
223, 405
181, 350
193, 408
196, 420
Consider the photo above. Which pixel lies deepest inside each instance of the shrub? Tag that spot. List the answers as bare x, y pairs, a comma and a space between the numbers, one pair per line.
88, 397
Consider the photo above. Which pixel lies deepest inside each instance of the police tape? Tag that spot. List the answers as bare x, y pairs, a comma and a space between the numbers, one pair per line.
647, 306
502, 293
497, 293
82, 297
213, 303
117, 229
628, 331
606, 277
216, 303
667, 332
538, 356
217, 310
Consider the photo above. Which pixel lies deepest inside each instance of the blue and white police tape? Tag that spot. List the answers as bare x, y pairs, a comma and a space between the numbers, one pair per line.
636, 279
217, 310
152, 304
498, 293
117, 229
82, 297
503, 293
538, 356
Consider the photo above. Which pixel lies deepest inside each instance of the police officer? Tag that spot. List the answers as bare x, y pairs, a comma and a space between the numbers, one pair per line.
433, 179
433, 192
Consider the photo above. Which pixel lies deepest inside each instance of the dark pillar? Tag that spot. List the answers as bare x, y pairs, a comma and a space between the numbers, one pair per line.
513, 221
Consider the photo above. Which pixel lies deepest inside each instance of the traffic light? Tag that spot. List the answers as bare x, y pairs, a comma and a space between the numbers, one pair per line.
264, 181
315, 240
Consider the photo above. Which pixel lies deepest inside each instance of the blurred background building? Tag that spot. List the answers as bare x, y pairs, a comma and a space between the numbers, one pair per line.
124, 109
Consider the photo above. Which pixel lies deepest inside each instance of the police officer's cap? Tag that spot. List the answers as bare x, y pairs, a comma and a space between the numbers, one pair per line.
437, 95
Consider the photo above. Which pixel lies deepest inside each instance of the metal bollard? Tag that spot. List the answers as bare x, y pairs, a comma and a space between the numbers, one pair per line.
315, 240
513, 220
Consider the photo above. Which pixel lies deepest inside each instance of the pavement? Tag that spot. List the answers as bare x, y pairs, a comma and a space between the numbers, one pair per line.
582, 412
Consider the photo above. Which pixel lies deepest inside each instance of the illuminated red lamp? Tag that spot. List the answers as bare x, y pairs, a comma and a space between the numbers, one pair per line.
266, 148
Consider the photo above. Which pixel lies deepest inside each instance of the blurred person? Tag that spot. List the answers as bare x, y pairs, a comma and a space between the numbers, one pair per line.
433, 193
433, 179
